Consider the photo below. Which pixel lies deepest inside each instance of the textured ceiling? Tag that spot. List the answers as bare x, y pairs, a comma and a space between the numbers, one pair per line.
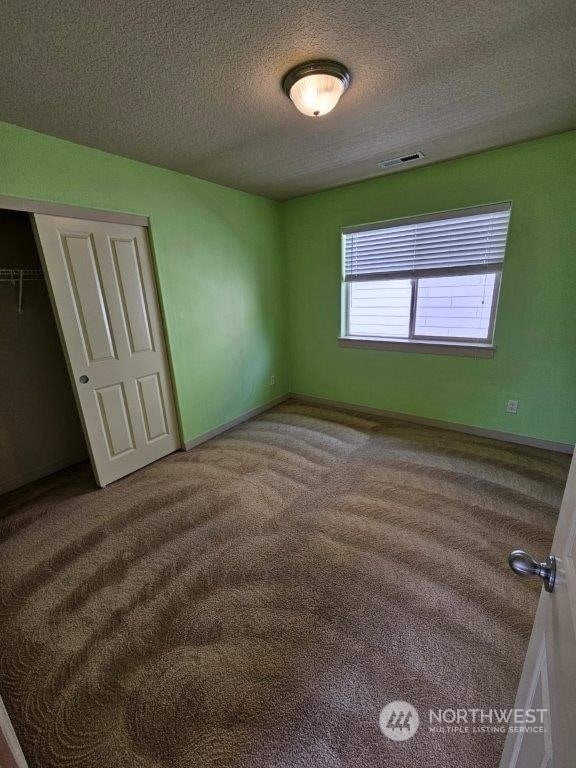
195, 86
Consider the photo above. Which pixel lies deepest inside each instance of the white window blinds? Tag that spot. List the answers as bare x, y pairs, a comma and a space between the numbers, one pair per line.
456, 242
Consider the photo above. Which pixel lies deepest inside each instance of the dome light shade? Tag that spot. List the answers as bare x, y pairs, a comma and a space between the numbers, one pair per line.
316, 87
316, 95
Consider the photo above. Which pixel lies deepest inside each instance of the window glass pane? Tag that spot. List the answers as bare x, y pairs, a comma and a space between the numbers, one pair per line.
379, 308
458, 307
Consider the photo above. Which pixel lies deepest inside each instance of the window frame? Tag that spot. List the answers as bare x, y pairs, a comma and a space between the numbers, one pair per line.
422, 338
455, 345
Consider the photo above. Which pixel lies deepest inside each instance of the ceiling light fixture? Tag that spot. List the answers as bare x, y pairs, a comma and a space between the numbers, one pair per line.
316, 86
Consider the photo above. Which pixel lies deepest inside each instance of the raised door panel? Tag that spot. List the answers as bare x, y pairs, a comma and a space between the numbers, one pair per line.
534, 747
90, 305
115, 419
128, 271
153, 405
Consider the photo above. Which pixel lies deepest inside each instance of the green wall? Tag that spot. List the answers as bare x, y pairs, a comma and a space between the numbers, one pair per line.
218, 260
535, 360
233, 268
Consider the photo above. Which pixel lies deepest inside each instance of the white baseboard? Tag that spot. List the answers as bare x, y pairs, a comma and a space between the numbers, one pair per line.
189, 444
16, 481
493, 434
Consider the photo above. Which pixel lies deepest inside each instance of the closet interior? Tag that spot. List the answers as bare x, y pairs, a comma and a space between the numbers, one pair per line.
40, 429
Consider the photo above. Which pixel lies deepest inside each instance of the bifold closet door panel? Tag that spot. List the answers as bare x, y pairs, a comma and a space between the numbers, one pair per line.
104, 295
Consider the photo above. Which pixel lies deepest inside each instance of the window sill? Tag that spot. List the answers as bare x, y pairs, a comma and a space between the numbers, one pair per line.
457, 348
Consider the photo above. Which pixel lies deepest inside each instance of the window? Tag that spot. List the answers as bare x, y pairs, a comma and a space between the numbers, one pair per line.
427, 280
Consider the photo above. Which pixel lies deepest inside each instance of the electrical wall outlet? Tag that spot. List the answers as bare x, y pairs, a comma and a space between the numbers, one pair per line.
512, 406
272, 380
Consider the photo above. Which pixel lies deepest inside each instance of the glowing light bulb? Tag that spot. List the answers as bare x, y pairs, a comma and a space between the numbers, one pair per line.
316, 95
316, 86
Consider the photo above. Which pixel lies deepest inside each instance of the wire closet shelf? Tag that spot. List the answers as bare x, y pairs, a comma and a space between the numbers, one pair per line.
17, 277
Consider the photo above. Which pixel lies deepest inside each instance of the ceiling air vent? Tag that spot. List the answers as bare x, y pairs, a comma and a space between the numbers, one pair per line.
395, 161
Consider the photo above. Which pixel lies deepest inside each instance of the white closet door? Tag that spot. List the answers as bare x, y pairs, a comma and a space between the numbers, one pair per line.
104, 296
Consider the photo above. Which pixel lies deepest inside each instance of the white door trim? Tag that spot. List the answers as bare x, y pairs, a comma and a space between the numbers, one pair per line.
548, 679
71, 211
10, 740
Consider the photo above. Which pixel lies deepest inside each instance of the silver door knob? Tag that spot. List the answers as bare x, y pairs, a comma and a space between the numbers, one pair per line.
83, 379
525, 565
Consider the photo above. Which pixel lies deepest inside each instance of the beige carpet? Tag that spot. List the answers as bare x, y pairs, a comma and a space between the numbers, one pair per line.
256, 602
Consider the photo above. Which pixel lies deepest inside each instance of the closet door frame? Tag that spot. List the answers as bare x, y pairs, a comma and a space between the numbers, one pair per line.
95, 214
71, 211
